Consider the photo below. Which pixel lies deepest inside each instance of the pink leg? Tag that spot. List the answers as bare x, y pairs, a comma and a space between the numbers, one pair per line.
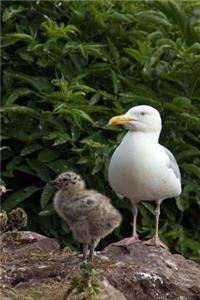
155, 240
134, 238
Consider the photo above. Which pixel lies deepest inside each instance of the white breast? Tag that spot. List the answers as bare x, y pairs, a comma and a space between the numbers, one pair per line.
138, 170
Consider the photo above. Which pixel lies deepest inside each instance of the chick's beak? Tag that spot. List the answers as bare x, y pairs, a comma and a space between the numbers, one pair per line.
117, 120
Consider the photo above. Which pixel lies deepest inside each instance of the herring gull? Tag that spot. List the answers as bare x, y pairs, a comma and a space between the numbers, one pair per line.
89, 214
141, 168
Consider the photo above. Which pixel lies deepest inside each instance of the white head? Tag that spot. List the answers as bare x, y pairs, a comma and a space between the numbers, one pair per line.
141, 118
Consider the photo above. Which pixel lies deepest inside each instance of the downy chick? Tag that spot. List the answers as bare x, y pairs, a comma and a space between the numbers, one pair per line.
89, 214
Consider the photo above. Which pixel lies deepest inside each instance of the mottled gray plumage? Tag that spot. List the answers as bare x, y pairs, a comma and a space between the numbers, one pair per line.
89, 214
173, 164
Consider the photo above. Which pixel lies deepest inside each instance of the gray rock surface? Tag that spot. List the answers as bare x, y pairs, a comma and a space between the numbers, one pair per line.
139, 272
153, 273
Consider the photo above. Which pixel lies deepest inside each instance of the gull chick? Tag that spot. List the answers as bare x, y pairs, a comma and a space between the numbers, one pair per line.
89, 214
141, 168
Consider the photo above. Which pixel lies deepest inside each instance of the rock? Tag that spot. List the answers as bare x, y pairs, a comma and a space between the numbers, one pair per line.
25, 239
109, 292
31, 261
144, 272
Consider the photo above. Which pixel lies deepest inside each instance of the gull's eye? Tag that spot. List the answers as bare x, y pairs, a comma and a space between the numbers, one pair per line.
143, 113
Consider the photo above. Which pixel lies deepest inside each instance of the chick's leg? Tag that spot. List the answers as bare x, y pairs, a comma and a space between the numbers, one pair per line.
91, 254
85, 252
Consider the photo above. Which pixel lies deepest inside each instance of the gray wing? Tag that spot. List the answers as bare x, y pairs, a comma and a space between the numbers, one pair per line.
172, 163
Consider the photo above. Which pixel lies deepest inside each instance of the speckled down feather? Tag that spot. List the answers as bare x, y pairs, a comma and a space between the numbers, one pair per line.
89, 214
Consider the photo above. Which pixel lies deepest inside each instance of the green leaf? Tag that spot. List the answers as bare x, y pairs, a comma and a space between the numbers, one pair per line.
114, 52
98, 165
182, 203
53, 30
11, 38
47, 155
19, 109
75, 113
191, 168
17, 93
92, 143
40, 83
11, 12
182, 102
41, 170
25, 169
49, 211
58, 137
189, 118
134, 53
149, 207
30, 149
116, 82
151, 17
65, 227
18, 197
47, 193
95, 98
11, 166
188, 153
60, 165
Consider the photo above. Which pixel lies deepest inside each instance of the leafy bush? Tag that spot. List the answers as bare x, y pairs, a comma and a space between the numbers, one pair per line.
68, 66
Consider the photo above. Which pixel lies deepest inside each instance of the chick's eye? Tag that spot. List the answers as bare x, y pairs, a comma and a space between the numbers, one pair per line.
143, 113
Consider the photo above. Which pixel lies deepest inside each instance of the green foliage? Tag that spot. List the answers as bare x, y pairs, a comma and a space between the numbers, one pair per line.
68, 67
85, 284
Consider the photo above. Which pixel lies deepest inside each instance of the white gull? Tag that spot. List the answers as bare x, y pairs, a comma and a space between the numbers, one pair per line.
141, 168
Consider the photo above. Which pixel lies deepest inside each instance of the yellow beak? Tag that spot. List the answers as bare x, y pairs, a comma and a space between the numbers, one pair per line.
119, 120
